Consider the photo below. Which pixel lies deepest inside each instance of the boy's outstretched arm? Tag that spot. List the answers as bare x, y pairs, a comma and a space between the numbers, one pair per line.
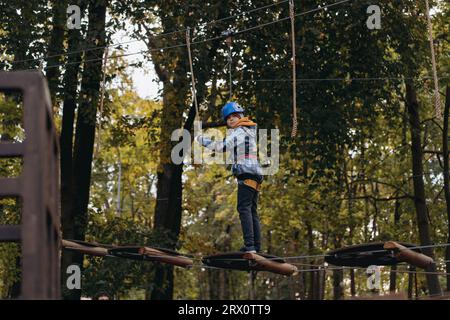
219, 146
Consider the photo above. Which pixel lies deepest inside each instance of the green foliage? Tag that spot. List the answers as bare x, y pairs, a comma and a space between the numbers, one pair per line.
115, 276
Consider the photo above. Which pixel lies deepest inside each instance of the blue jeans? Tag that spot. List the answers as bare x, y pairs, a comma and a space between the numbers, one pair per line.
247, 202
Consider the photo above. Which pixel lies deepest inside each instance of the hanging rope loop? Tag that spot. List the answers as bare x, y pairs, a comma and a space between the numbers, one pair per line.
102, 92
229, 41
437, 97
194, 92
102, 99
294, 76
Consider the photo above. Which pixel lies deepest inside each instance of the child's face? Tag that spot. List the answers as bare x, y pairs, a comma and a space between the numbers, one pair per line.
232, 119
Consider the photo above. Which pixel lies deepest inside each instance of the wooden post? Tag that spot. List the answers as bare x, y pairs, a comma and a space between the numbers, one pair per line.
37, 186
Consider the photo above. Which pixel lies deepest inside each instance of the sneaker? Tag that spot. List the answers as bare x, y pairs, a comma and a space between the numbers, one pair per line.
248, 249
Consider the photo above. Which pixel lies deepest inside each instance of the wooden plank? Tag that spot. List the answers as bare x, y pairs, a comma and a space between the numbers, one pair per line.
11, 149
94, 251
10, 233
33, 214
161, 256
10, 187
407, 255
270, 265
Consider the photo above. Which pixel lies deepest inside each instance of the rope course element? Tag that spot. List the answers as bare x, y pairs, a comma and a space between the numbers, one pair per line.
294, 77
229, 41
392, 255
194, 92
102, 98
319, 8
437, 97
253, 263
212, 22
317, 268
342, 79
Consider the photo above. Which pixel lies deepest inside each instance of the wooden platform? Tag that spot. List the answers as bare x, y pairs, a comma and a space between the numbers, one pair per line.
365, 255
145, 253
141, 253
250, 262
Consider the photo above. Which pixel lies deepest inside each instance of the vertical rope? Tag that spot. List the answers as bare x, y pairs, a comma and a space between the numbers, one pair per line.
119, 182
194, 92
230, 64
229, 41
102, 99
437, 98
294, 76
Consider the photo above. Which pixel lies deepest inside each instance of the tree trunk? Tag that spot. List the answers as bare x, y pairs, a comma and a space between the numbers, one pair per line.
167, 224
393, 272
446, 179
172, 72
351, 192
410, 284
167, 218
55, 47
338, 278
66, 145
393, 279
352, 283
310, 238
419, 188
85, 130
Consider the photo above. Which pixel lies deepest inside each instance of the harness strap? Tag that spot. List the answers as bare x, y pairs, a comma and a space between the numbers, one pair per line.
252, 184
248, 156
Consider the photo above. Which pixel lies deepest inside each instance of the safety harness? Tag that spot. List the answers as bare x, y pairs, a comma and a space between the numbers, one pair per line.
253, 184
246, 122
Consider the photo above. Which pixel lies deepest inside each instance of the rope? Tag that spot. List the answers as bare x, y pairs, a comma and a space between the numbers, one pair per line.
200, 41
437, 98
229, 41
341, 79
102, 98
328, 255
294, 77
194, 93
315, 267
212, 22
331, 255
327, 268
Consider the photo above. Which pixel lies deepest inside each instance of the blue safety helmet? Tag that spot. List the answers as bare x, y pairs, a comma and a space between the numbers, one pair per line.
231, 107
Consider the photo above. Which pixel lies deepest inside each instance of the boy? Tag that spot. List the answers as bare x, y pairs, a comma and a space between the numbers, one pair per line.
246, 168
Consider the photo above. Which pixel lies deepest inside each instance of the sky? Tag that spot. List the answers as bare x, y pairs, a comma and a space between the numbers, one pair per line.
144, 78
